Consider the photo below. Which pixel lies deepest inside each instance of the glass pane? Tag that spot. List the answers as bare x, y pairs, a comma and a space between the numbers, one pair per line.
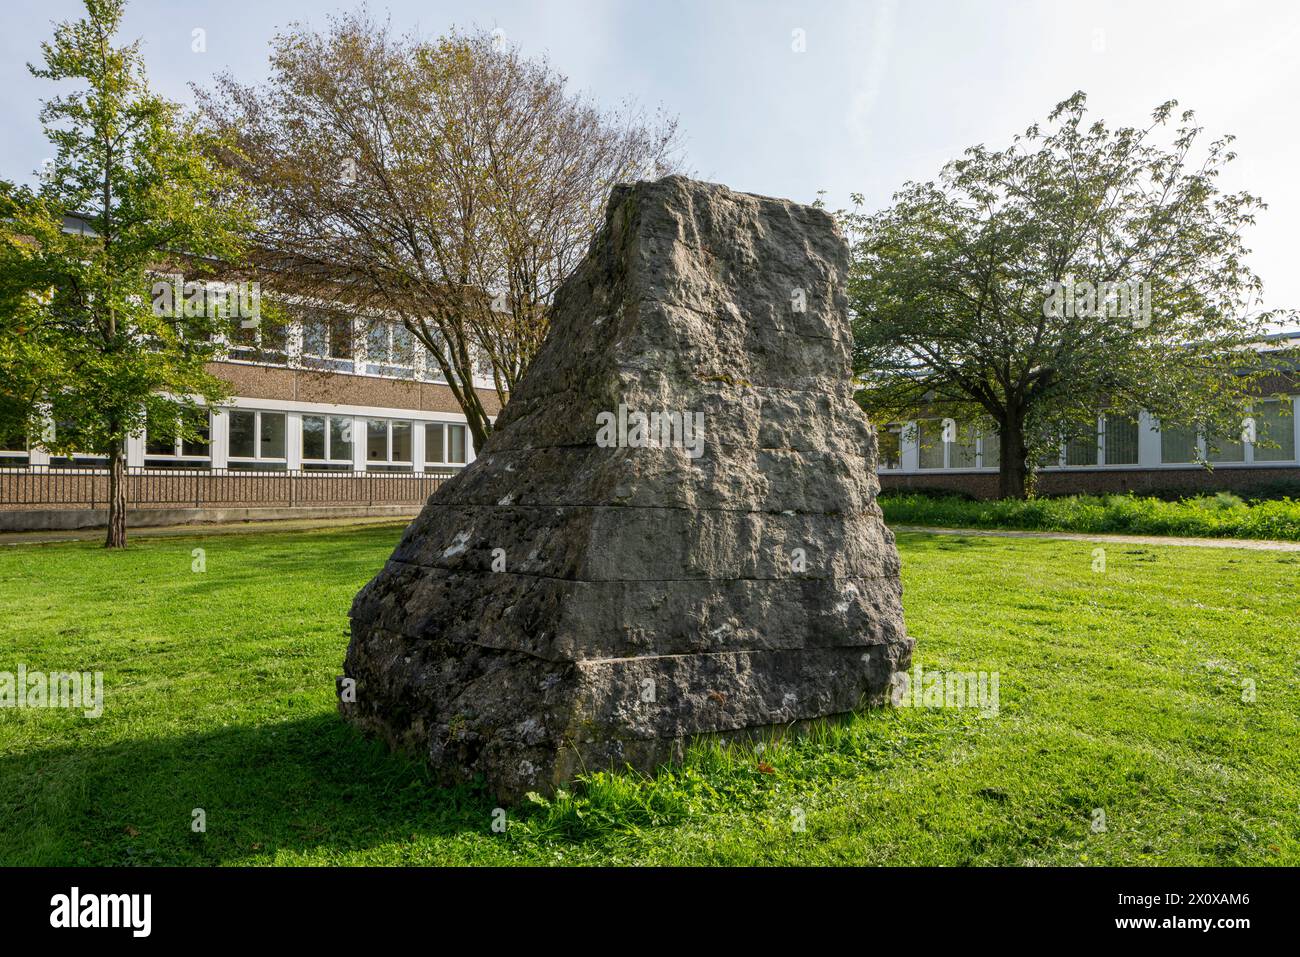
242, 335
456, 437
992, 447
202, 445
403, 346
1273, 426
158, 438
376, 440
1121, 440
12, 438
315, 338
1225, 449
401, 441
1177, 445
340, 438
434, 449
930, 435
272, 435
962, 455
275, 336
1081, 450
242, 443
377, 343
889, 448
313, 436
341, 338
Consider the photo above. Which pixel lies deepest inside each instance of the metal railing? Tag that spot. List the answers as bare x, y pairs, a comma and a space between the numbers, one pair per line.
30, 488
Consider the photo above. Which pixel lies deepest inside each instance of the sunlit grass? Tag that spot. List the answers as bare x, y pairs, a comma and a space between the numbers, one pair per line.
1123, 692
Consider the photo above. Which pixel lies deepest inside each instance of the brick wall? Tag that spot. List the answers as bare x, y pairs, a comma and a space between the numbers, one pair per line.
308, 385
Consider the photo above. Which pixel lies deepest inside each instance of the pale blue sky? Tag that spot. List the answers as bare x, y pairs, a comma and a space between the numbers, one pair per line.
884, 91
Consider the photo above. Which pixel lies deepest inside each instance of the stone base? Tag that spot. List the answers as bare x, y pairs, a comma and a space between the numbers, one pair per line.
528, 724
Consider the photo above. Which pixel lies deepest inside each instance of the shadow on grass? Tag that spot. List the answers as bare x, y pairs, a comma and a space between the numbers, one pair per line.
311, 785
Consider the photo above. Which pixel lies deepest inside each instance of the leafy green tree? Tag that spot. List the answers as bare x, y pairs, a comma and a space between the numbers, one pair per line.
1080, 271
84, 338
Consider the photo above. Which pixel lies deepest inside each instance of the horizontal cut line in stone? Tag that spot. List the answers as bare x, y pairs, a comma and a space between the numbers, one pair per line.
668, 448
534, 397
663, 508
789, 512
642, 581
718, 654
730, 318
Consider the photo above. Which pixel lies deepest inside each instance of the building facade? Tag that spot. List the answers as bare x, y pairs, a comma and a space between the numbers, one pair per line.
1127, 455
328, 414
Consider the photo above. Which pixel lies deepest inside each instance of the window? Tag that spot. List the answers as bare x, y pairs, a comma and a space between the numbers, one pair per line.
1081, 450
435, 443
264, 342
1178, 445
256, 439
990, 446
388, 445
13, 444
326, 443
1121, 440
1273, 426
88, 455
962, 453
327, 343
444, 443
456, 439
1225, 449
164, 447
929, 435
390, 350
889, 447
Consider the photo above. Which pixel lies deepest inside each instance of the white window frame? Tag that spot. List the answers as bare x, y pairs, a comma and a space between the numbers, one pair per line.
176, 455
390, 368
257, 459
389, 463
327, 361
330, 460
446, 428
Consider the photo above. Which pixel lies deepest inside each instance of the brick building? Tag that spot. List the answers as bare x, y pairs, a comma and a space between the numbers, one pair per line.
1127, 456
330, 414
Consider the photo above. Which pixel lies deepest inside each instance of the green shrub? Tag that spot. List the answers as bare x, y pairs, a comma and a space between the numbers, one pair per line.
1222, 515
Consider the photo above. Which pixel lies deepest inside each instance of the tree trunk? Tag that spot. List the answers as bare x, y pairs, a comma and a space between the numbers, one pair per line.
116, 495
1013, 475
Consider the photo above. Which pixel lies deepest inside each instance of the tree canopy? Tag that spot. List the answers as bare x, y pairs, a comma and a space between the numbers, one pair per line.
1081, 271
452, 184
131, 188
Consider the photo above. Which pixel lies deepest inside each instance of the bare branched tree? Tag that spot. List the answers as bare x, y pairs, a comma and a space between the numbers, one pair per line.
450, 184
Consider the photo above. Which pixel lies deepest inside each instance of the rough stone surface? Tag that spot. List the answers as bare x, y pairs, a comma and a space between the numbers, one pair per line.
644, 596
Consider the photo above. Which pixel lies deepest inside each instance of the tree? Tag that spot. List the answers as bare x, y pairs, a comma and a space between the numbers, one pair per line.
1081, 271
451, 184
85, 339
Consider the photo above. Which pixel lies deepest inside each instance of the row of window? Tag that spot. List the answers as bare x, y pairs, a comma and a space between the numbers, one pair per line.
331, 342
258, 439
1116, 443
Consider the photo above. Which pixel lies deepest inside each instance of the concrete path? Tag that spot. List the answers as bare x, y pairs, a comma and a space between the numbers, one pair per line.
1261, 544
199, 530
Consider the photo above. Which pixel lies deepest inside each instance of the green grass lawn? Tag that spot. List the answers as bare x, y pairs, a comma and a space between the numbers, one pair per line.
1120, 691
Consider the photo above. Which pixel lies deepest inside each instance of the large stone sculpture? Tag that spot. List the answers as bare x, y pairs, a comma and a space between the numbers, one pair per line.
672, 532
